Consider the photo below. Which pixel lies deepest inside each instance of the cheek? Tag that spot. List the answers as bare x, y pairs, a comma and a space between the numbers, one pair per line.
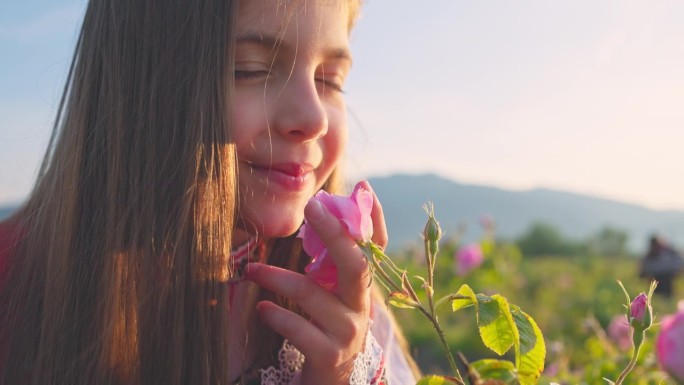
335, 142
247, 118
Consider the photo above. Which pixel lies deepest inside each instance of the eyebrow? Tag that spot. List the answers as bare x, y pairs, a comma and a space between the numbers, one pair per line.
273, 42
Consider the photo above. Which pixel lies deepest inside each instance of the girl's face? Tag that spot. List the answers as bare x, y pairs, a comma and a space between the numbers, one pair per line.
290, 120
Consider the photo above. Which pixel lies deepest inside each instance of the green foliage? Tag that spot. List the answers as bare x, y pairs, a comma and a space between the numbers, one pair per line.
532, 349
544, 239
497, 320
502, 371
572, 300
503, 326
435, 380
608, 241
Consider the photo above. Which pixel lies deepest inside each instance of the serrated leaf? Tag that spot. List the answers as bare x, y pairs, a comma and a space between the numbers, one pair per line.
435, 380
497, 328
490, 369
469, 299
530, 358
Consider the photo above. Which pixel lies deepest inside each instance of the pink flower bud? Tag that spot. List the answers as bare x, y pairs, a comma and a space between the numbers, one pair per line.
354, 215
637, 309
670, 345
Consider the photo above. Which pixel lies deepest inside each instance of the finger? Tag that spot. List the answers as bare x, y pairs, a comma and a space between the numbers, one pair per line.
301, 333
353, 277
324, 307
380, 236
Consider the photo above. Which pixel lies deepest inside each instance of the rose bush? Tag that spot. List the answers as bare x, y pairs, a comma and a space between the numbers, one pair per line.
354, 212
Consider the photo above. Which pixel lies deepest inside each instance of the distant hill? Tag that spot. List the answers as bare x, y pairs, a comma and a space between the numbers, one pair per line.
576, 216
6, 211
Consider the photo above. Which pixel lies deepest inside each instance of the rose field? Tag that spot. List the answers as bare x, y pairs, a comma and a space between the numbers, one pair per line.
576, 302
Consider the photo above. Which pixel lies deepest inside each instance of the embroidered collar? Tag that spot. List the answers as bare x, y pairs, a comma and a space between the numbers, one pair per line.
249, 251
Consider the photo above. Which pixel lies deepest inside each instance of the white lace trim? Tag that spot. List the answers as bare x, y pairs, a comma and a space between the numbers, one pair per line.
367, 365
290, 361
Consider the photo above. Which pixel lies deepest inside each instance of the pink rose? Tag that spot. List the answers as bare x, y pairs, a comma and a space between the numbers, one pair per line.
620, 333
468, 258
670, 344
637, 309
354, 212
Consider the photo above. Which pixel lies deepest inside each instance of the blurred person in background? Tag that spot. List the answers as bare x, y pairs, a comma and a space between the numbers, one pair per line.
661, 263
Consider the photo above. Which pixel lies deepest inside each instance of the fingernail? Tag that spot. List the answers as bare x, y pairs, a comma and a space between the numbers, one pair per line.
315, 211
251, 269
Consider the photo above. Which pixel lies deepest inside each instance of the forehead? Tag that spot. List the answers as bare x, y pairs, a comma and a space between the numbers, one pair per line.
277, 15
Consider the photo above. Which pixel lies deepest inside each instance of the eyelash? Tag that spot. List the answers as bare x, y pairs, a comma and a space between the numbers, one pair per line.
250, 74
260, 74
329, 83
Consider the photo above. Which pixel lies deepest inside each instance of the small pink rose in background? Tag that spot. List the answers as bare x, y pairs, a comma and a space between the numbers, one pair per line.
637, 309
354, 213
670, 344
620, 333
468, 257
487, 222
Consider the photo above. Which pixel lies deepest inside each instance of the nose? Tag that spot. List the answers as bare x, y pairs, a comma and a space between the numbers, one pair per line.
300, 114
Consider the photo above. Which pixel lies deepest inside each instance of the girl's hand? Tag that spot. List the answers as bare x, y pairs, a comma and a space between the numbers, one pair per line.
339, 321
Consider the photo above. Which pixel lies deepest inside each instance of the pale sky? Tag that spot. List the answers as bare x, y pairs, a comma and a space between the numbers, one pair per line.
584, 96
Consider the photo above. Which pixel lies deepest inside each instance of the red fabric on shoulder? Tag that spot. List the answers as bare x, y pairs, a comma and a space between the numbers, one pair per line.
9, 234
8, 240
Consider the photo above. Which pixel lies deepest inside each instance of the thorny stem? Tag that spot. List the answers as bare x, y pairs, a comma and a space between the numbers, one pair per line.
632, 361
445, 345
377, 254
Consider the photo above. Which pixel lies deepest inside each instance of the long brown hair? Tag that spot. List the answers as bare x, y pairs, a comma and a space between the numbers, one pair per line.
119, 274
127, 232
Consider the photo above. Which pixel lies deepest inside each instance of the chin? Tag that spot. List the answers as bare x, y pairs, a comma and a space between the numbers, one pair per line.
277, 225
283, 230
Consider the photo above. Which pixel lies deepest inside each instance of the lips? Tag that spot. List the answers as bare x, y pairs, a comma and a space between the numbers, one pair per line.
288, 175
293, 169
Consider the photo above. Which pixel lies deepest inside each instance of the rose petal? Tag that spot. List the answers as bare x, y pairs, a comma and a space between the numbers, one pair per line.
322, 269
311, 243
353, 212
670, 345
364, 201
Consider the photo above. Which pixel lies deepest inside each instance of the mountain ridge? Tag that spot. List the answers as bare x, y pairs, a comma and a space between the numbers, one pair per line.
576, 215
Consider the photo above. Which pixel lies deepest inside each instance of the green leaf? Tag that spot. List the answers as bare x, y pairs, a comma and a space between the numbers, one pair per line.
444, 300
497, 328
469, 299
490, 369
435, 380
530, 358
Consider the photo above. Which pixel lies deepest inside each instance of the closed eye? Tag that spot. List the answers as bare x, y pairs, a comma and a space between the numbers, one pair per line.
247, 75
332, 83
